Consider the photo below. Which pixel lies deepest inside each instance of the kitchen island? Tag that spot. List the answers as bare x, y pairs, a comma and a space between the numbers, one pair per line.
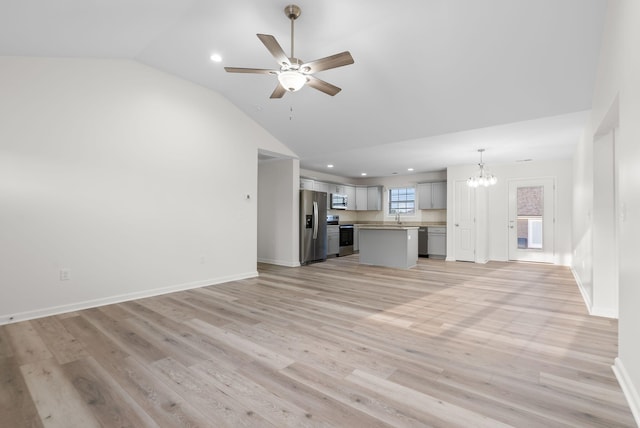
389, 245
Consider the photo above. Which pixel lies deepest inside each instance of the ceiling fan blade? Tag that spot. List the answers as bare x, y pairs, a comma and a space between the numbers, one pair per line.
322, 86
274, 47
250, 70
278, 92
333, 61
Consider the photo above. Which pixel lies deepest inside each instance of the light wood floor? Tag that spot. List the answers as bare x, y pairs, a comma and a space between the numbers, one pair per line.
332, 344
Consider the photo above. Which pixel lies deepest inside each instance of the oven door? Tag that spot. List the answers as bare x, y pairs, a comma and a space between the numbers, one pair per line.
346, 240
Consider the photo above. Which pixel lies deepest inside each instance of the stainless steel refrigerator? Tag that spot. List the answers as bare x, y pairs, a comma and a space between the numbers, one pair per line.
313, 226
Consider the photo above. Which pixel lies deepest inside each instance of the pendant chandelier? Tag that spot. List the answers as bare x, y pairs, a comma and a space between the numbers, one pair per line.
483, 178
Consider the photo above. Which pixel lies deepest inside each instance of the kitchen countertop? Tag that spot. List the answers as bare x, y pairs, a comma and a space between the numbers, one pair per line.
394, 224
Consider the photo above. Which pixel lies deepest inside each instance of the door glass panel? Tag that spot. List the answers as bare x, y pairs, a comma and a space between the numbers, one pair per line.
530, 210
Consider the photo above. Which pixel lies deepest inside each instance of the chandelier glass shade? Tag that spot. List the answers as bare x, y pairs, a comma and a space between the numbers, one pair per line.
292, 80
483, 178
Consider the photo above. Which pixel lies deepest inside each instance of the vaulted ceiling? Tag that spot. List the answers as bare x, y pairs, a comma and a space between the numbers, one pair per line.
433, 80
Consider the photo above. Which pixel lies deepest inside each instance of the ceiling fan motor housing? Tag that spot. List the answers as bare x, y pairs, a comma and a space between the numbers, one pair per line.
292, 11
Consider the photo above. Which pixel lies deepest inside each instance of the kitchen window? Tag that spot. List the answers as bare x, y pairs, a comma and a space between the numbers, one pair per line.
402, 200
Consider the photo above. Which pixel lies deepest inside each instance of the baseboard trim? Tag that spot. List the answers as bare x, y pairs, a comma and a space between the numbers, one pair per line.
78, 306
285, 263
585, 296
604, 312
629, 390
593, 310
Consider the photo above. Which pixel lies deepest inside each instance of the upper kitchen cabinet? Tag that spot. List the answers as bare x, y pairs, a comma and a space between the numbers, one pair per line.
306, 184
338, 189
432, 196
319, 186
369, 198
350, 191
374, 198
361, 198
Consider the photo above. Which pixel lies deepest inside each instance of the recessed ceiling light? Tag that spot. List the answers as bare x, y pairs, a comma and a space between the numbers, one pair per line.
330, 166
216, 58
409, 169
363, 173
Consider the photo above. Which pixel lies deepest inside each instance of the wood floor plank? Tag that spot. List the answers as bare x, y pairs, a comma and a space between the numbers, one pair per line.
245, 346
64, 347
57, 401
108, 402
27, 345
17, 408
443, 344
201, 391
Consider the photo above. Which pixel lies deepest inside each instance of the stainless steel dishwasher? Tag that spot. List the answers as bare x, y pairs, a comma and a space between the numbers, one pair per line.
423, 248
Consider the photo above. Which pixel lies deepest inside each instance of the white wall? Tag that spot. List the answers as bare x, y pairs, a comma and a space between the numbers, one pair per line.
618, 89
133, 180
278, 212
497, 205
604, 295
582, 235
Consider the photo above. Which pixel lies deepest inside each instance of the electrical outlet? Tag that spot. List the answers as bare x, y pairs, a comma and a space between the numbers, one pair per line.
65, 275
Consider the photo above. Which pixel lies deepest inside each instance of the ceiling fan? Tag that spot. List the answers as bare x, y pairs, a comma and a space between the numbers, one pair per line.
294, 73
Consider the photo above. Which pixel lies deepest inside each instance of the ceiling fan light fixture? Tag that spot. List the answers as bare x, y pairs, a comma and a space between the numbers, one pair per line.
292, 80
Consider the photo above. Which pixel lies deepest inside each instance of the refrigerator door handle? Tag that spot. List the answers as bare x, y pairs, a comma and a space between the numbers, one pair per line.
315, 220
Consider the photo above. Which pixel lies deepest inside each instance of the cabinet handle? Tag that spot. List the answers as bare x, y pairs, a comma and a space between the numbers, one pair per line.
457, 225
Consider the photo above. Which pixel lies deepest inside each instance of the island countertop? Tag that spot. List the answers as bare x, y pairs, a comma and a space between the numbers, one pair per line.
387, 226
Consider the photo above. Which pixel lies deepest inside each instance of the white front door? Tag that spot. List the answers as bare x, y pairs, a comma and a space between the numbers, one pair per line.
464, 222
531, 220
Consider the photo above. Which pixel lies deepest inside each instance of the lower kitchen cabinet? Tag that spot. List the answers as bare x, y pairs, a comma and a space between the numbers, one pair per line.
437, 242
333, 240
356, 237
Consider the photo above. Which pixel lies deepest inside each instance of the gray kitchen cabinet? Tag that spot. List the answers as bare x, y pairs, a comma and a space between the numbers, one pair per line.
356, 238
337, 189
439, 195
350, 191
306, 184
361, 198
374, 198
319, 186
432, 196
369, 198
333, 239
437, 242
